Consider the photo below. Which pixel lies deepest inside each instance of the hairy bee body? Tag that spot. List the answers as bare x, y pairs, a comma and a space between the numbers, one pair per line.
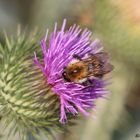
95, 65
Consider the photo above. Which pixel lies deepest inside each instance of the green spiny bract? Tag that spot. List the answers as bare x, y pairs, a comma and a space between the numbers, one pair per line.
27, 105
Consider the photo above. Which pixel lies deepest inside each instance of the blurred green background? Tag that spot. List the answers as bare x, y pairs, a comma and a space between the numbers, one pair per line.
117, 24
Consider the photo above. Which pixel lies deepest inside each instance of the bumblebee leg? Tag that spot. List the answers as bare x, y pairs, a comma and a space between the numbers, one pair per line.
88, 83
77, 57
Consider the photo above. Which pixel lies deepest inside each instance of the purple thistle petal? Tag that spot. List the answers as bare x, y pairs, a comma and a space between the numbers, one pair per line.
62, 46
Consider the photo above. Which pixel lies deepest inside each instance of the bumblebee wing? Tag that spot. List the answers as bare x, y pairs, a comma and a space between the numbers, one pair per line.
107, 68
102, 56
104, 70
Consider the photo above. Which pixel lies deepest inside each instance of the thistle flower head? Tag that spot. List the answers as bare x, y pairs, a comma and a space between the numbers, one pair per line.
58, 55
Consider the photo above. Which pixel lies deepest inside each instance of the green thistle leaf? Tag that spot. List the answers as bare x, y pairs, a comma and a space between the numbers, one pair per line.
27, 105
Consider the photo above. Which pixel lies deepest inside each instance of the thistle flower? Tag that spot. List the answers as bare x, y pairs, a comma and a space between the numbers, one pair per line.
62, 46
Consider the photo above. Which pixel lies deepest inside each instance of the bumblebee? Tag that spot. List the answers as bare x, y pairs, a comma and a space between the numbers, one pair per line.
95, 65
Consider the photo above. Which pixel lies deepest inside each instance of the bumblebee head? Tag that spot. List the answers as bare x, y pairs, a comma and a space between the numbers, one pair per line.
65, 75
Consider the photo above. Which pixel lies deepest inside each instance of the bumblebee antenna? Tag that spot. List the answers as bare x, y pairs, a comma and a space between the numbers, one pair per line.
77, 57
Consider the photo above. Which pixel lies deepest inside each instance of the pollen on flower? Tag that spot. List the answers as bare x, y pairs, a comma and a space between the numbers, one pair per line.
58, 68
